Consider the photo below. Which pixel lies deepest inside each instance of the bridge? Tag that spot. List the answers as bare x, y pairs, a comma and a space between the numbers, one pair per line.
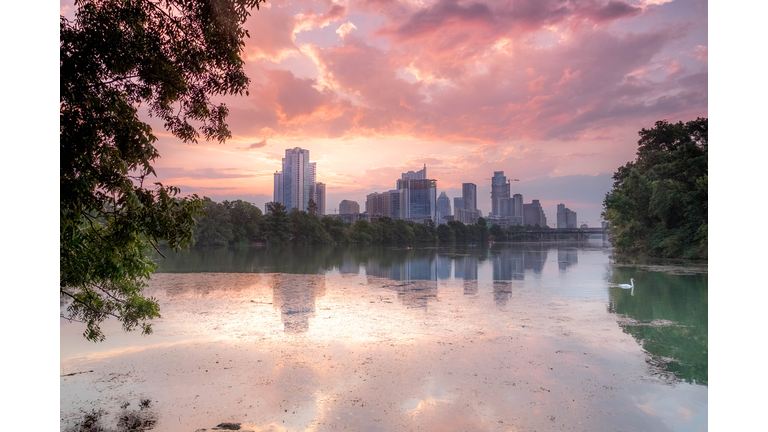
558, 234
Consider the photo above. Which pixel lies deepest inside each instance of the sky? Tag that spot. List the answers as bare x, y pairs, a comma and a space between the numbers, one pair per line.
552, 92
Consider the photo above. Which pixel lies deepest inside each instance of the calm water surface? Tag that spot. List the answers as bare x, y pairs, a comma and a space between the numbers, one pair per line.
515, 337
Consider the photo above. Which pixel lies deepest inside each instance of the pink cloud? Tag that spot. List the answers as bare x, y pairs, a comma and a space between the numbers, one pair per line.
533, 87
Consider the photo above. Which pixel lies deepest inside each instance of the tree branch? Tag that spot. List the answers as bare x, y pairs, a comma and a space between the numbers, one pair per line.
91, 308
153, 245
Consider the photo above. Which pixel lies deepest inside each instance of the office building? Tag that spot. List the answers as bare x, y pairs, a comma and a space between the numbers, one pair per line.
533, 214
278, 190
415, 175
378, 204
349, 207
418, 196
500, 190
443, 206
467, 216
518, 209
469, 195
565, 217
350, 218
395, 204
458, 203
320, 193
466, 210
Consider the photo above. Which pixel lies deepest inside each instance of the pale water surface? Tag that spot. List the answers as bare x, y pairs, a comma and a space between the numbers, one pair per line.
518, 337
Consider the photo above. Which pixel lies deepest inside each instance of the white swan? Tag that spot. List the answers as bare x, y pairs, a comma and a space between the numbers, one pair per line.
627, 286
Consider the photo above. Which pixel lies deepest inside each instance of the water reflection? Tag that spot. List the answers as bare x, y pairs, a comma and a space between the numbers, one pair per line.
567, 258
295, 297
508, 265
667, 315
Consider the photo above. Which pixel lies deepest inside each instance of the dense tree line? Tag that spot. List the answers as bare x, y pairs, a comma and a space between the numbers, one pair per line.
658, 203
242, 223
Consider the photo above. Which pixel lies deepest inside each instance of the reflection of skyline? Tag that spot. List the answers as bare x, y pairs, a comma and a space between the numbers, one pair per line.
349, 267
466, 268
501, 292
567, 258
444, 264
295, 296
508, 265
534, 260
414, 269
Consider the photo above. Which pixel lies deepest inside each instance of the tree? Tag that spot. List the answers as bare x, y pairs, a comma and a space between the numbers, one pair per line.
215, 227
312, 207
246, 219
169, 57
277, 224
497, 234
444, 234
482, 226
658, 203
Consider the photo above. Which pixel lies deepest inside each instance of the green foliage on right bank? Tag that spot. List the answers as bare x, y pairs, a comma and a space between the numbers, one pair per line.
658, 203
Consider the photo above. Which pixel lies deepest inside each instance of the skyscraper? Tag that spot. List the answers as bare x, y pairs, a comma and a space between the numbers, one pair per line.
415, 175
443, 205
458, 203
320, 192
296, 183
468, 213
499, 190
418, 196
278, 193
469, 195
533, 214
566, 218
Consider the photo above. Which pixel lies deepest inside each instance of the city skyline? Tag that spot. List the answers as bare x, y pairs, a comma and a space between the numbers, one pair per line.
375, 91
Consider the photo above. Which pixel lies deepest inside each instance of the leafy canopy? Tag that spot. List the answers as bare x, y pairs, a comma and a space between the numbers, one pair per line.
168, 57
658, 203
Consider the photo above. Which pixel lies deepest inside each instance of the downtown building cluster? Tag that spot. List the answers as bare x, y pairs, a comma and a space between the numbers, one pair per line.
414, 198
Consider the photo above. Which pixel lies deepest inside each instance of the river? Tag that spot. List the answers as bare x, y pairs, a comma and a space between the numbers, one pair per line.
515, 337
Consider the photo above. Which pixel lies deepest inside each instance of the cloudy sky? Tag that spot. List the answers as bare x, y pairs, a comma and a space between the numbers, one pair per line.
552, 92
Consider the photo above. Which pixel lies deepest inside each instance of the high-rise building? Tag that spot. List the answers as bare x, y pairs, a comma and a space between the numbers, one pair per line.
517, 216
298, 179
395, 204
415, 175
566, 218
378, 204
533, 214
443, 206
320, 192
469, 195
468, 212
349, 207
500, 189
467, 216
278, 193
418, 199
418, 196
458, 203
